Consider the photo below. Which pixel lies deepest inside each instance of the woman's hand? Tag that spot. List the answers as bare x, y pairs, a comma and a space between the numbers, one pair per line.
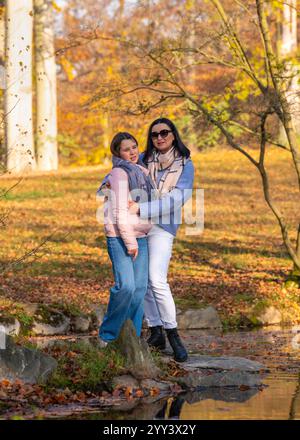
133, 253
134, 208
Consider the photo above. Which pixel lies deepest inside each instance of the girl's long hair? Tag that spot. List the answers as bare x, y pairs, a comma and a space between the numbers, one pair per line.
179, 145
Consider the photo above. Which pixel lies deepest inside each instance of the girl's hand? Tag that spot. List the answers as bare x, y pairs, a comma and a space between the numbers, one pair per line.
134, 208
133, 253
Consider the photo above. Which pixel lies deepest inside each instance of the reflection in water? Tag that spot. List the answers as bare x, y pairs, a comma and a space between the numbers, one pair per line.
221, 394
280, 400
171, 409
295, 404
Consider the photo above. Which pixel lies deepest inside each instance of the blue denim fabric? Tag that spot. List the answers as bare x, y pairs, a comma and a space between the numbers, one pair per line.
127, 295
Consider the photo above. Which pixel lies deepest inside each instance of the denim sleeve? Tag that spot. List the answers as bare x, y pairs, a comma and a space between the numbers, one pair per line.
173, 200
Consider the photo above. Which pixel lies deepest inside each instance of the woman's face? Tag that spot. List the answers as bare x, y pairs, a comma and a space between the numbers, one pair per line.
129, 150
162, 137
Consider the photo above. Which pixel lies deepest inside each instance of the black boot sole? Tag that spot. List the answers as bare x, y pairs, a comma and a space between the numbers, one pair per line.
159, 347
182, 359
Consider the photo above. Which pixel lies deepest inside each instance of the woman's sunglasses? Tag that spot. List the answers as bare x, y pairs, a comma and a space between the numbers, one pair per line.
162, 133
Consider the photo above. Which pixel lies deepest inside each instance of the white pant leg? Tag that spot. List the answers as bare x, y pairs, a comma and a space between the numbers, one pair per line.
159, 306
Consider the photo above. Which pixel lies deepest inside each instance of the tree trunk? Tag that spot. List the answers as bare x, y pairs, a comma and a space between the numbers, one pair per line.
46, 97
287, 45
18, 94
2, 79
289, 28
2, 45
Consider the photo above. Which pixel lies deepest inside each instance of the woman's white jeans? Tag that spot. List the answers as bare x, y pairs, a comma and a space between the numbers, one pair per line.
159, 306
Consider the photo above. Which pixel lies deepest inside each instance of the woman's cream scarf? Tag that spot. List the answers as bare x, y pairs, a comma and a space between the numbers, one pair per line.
172, 162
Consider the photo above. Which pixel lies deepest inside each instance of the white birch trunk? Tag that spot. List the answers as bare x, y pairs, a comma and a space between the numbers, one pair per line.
46, 95
288, 47
2, 72
18, 93
2, 33
289, 36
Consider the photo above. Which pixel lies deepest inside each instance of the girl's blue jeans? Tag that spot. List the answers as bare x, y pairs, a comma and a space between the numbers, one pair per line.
127, 295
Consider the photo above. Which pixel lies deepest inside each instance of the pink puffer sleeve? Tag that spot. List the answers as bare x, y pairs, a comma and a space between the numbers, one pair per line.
119, 202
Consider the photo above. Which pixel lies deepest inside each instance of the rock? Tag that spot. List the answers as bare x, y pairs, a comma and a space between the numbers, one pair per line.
221, 379
40, 328
138, 359
127, 405
26, 364
198, 318
42, 343
10, 325
144, 408
48, 321
221, 371
125, 381
81, 324
149, 408
270, 315
100, 344
49, 342
162, 386
30, 308
222, 363
99, 312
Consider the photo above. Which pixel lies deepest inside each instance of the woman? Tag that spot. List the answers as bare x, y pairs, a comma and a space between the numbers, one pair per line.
170, 166
126, 238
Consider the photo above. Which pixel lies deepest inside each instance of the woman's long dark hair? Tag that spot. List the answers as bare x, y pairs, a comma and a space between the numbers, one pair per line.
179, 145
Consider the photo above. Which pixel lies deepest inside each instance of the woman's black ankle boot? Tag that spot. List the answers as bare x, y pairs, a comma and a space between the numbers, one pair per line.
157, 338
180, 353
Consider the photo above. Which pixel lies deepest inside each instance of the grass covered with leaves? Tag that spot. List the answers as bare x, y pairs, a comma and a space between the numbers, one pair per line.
84, 367
236, 264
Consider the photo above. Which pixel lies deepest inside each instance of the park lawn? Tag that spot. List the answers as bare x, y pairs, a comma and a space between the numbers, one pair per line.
238, 261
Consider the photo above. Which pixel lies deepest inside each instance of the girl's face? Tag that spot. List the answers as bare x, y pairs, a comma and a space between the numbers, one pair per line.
129, 150
162, 137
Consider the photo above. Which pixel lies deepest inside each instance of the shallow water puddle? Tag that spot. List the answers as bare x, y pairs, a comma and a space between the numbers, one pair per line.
279, 400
